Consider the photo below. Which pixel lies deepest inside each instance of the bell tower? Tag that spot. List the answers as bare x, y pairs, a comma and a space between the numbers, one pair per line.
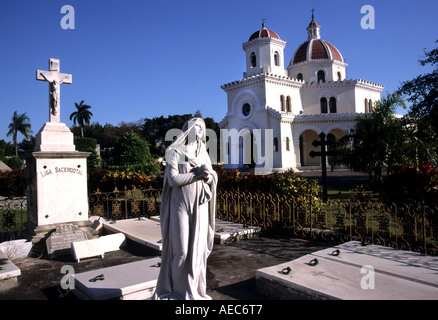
264, 53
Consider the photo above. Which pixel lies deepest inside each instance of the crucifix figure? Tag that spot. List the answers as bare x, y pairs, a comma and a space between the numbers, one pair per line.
55, 78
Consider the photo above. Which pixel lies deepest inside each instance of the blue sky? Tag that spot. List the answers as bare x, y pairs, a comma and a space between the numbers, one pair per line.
135, 59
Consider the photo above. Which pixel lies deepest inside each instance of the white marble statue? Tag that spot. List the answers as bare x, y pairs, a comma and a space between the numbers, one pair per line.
55, 79
187, 216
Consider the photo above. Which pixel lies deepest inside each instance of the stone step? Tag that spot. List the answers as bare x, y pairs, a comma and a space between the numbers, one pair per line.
130, 281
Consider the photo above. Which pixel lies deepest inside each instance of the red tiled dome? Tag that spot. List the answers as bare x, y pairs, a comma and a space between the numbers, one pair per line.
264, 33
319, 49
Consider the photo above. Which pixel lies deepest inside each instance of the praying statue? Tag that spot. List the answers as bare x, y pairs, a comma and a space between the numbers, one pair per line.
187, 216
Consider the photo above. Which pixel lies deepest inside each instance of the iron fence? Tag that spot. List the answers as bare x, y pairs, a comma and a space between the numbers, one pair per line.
125, 204
408, 226
13, 215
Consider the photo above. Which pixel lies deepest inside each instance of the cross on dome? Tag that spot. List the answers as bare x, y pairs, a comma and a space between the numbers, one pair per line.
313, 28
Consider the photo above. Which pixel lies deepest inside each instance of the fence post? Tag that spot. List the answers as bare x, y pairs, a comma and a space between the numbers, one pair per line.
424, 228
311, 212
126, 202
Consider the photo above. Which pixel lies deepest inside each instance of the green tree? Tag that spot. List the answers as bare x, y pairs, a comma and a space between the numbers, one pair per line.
6, 149
422, 91
131, 151
154, 130
26, 145
93, 130
382, 139
367, 147
19, 124
82, 116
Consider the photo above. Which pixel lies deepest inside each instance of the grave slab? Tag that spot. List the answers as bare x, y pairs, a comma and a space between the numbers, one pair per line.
59, 242
144, 232
112, 242
354, 273
229, 232
147, 232
9, 272
86, 249
16, 248
97, 247
130, 281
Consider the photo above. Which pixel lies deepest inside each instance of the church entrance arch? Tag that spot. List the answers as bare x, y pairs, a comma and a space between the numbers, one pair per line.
306, 139
247, 150
333, 136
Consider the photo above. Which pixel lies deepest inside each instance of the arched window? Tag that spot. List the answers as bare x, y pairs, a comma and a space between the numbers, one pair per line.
370, 106
366, 106
323, 102
321, 76
253, 60
332, 105
276, 59
282, 102
275, 144
288, 104
300, 76
287, 144
339, 76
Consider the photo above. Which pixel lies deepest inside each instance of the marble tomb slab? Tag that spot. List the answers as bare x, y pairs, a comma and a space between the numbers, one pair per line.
355, 272
130, 281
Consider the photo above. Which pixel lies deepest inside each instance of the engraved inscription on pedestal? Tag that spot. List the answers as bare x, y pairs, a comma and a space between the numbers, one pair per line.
59, 242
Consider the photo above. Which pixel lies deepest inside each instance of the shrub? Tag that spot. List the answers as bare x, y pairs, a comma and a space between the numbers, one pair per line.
287, 183
412, 184
131, 151
107, 180
14, 162
13, 183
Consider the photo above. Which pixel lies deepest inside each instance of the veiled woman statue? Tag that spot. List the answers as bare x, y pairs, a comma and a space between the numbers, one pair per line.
187, 216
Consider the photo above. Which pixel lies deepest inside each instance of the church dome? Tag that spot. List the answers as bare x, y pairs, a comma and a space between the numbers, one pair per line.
315, 48
264, 33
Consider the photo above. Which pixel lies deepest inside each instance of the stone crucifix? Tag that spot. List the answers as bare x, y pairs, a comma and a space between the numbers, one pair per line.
55, 78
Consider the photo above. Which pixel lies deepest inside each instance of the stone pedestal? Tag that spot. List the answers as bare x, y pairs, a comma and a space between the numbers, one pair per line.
57, 189
54, 137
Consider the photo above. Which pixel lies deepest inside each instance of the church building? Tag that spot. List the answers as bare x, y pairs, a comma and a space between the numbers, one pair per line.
298, 102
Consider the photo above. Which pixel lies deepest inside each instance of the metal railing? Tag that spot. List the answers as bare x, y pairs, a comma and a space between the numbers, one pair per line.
409, 226
13, 215
125, 204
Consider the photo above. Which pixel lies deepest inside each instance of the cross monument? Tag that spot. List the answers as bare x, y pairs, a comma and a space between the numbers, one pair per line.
55, 79
323, 154
56, 173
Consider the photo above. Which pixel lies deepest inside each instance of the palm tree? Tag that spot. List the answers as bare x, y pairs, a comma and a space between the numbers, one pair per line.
20, 123
81, 116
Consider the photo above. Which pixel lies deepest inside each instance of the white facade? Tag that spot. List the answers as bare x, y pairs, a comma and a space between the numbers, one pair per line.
312, 95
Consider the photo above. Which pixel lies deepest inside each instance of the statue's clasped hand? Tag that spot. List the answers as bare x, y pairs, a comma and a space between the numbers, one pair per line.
201, 172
